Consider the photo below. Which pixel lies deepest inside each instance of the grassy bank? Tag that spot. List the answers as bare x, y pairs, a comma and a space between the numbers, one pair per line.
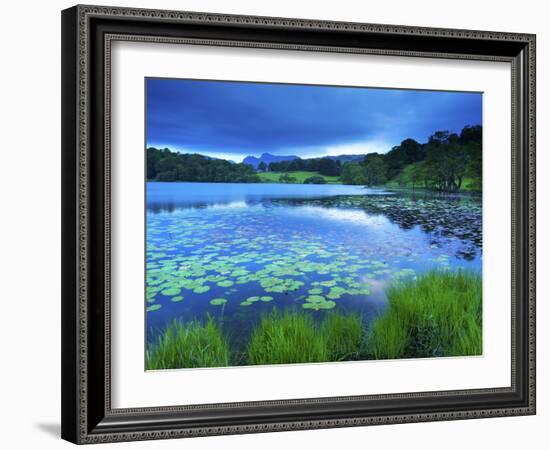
300, 176
438, 314
293, 337
187, 345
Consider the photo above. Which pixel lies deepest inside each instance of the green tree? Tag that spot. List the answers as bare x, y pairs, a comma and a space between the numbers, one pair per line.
471, 134
164, 165
262, 167
353, 173
447, 165
329, 167
374, 170
408, 152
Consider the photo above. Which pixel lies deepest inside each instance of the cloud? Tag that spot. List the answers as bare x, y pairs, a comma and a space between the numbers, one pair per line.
237, 118
236, 157
354, 148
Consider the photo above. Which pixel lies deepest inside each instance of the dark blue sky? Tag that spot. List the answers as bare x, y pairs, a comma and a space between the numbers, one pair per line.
234, 119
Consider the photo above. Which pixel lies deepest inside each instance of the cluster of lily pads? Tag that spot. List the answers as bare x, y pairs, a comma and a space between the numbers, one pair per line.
250, 258
442, 216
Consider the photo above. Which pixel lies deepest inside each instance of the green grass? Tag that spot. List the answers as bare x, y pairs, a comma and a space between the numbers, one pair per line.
343, 334
273, 177
293, 337
187, 345
439, 314
286, 337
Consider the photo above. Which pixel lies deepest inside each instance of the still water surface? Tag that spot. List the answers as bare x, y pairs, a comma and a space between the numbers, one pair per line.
235, 251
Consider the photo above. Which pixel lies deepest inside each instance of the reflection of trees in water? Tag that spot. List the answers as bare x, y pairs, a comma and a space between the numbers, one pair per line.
441, 217
171, 206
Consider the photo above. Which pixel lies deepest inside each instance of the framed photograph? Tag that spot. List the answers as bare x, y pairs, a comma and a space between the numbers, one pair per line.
278, 224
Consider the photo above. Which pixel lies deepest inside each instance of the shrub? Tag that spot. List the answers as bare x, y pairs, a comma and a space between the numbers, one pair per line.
316, 179
286, 178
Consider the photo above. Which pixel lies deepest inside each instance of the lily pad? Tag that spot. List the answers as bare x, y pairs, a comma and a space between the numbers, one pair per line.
170, 292
327, 305
177, 298
201, 289
315, 299
218, 301
239, 273
321, 305
154, 307
266, 298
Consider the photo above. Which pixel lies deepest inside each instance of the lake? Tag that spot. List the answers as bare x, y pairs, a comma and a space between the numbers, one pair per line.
235, 251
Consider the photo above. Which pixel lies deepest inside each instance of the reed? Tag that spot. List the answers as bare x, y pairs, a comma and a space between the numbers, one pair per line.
294, 337
439, 314
188, 345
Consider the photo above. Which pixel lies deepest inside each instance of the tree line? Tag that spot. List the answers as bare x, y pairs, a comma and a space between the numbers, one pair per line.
325, 166
441, 164
165, 165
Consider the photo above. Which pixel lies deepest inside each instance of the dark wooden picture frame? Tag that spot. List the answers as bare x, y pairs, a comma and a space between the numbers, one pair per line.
87, 33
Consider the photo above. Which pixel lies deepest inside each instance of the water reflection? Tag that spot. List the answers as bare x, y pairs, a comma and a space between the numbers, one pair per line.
236, 242
440, 217
168, 197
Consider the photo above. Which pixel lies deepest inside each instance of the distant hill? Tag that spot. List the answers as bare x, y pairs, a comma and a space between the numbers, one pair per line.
165, 165
212, 157
267, 158
346, 158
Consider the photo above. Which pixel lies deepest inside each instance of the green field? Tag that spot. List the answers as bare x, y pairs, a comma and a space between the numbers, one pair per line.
273, 177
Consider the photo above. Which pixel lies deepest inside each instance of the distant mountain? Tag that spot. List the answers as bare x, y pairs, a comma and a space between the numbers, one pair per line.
267, 158
346, 158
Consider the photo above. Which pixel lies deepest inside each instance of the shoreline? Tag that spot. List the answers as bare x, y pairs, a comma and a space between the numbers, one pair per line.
419, 191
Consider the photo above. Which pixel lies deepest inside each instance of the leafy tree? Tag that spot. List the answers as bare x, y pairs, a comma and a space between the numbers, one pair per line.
262, 167
325, 166
329, 167
353, 173
412, 175
471, 134
447, 165
374, 169
442, 163
408, 152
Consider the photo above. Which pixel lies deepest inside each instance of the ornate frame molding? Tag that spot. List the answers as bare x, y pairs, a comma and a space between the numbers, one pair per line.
87, 423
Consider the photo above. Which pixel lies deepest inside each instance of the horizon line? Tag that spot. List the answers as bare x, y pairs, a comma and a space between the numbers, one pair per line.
238, 157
